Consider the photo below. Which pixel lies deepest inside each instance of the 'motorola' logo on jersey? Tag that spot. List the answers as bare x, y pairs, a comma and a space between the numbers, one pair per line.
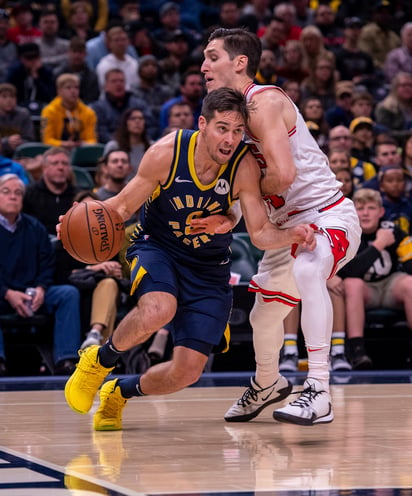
222, 187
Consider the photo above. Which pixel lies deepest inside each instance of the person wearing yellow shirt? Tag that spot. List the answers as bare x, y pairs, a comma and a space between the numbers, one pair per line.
66, 121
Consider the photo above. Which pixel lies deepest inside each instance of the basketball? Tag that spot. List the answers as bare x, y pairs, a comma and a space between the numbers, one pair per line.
92, 232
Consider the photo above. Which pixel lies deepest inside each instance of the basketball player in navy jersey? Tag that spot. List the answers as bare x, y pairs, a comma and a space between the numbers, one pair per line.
181, 275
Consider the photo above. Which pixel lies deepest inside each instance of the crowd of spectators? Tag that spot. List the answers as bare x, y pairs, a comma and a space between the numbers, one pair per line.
124, 73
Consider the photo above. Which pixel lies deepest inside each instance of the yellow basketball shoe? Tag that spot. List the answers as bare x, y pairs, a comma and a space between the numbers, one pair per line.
109, 414
85, 381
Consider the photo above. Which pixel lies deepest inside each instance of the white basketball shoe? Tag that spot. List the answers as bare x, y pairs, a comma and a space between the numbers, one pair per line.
255, 399
312, 407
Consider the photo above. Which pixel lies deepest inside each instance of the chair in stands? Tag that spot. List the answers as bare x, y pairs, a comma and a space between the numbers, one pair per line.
30, 149
84, 179
256, 252
87, 156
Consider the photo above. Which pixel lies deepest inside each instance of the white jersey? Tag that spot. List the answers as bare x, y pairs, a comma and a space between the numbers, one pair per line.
315, 185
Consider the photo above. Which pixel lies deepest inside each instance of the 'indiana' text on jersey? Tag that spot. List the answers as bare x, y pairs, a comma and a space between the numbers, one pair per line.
172, 206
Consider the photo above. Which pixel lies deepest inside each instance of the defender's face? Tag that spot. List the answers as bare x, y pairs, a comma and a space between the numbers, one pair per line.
217, 67
222, 135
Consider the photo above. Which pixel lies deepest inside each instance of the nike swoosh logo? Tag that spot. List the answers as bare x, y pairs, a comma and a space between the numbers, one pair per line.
267, 397
178, 180
314, 349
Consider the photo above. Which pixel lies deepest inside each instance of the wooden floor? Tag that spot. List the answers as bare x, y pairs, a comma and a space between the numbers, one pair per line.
180, 444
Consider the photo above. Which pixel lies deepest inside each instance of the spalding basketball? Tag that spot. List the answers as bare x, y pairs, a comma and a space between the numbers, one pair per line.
92, 232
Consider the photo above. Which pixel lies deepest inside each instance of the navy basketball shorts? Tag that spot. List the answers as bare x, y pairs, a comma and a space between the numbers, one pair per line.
203, 294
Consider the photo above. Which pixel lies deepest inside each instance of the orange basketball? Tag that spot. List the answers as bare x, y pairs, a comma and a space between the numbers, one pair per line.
92, 232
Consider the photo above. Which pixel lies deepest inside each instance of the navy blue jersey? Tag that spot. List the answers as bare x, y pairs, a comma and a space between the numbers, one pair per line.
166, 215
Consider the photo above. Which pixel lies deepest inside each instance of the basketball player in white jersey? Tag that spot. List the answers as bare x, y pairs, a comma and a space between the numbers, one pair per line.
299, 187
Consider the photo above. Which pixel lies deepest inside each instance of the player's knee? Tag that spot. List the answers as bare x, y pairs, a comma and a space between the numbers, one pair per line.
184, 376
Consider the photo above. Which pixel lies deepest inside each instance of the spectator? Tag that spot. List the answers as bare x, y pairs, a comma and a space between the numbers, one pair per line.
118, 58
273, 38
78, 22
304, 14
171, 65
76, 64
292, 89
117, 169
377, 38
8, 166
340, 139
33, 81
352, 63
292, 67
181, 116
149, 89
191, 92
129, 11
259, 9
23, 30
113, 102
324, 18
8, 49
16, 126
387, 154
400, 59
395, 110
170, 21
362, 138
97, 48
267, 72
406, 162
398, 208
131, 137
362, 104
229, 14
53, 194
53, 50
344, 175
99, 11
141, 39
313, 47
27, 260
287, 12
67, 121
341, 113
373, 278
321, 82
312, 112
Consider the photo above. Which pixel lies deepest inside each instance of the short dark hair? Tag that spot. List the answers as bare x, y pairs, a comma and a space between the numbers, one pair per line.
224, 100
239, 41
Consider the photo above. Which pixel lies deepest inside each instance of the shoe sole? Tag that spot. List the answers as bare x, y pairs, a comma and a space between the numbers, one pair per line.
283, 393
292, 419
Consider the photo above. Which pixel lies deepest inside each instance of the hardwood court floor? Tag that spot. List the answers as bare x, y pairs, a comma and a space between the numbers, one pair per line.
179, 444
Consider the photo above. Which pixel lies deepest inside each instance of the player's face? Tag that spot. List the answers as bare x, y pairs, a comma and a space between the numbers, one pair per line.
222, 135
218, 69
369, 215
